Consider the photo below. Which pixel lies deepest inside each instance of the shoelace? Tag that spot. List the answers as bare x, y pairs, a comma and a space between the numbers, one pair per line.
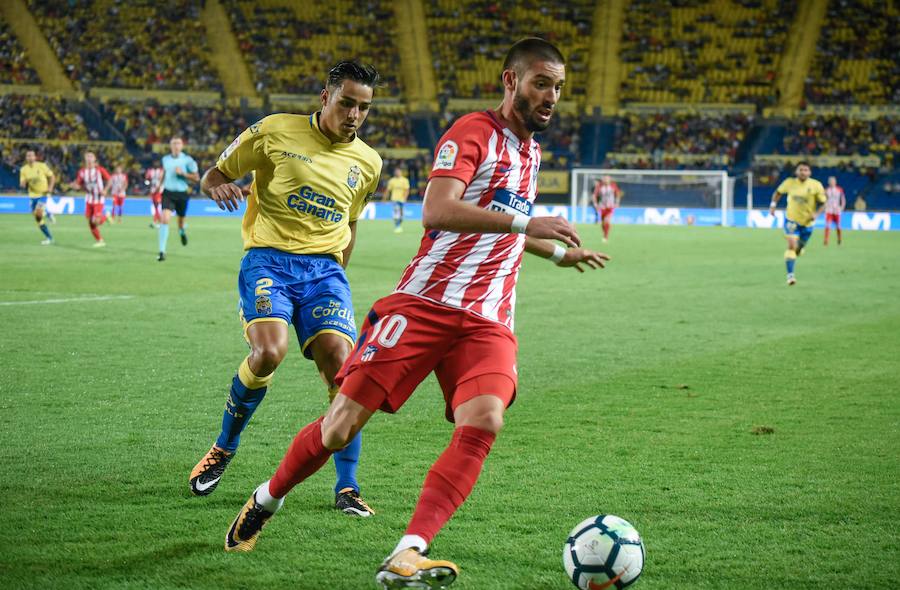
253, 515
215, 458
359, 500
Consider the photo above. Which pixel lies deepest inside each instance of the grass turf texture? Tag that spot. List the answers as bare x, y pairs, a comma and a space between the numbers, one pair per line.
747, 429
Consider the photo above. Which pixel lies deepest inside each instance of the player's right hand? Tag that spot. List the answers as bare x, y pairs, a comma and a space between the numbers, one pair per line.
227, 196
553, 228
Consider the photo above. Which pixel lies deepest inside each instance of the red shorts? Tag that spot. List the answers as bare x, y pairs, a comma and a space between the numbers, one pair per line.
833, 217
93, 210
404, 338
118, 200
156, 198
606, 212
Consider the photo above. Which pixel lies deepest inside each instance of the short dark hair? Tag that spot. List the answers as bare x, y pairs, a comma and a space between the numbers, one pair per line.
351, 70
802, 163
530, 49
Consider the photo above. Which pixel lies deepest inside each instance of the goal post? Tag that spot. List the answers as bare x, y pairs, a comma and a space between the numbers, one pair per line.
691, 189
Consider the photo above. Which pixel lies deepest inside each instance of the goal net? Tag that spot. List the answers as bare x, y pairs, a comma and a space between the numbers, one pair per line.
656, 189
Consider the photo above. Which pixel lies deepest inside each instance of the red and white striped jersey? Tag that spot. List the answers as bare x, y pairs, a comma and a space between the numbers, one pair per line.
92, 180
606, 194
478, 272
834, 200
118, 183
155, 176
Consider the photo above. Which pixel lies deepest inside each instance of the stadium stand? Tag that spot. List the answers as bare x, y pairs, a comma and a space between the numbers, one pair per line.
135, 44
724, 51
14, 65
842, 136
856, 57
387, 129
470, 37
289, 47
42, 117
150, 124
665, 136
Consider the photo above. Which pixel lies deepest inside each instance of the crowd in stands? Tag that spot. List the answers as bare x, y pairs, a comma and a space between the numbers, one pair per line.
14, 65
856, 56
663, 135
42, 117
385, 129
289, 46
129, 43
206, 130
842, 136
724, 51
469, 39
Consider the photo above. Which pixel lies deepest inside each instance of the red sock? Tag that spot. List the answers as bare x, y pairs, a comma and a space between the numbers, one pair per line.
96, 232
450, 480
606, 229
827, 231
839, 235
305, 456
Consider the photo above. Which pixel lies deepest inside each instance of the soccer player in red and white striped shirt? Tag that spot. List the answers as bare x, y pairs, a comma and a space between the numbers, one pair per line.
154, 177
118, 185
94, 179
835, 203
451, 313
607, 196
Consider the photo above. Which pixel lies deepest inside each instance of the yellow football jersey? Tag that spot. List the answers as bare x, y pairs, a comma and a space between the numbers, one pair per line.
803, 198
37, 178
306, 190
398, 188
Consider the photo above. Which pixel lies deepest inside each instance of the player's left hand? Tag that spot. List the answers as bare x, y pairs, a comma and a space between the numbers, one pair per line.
581, 256
179, 171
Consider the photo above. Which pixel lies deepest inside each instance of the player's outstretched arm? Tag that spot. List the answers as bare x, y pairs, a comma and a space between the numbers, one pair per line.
776, 196
444, 210
221, 189
571, 257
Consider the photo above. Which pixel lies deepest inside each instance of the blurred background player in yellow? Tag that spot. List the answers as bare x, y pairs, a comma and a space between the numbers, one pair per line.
39, 180
398, 193
805, 200
313, 176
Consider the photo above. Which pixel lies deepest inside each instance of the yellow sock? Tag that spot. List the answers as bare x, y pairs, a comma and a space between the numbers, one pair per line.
333, 391
250, 380
790, 255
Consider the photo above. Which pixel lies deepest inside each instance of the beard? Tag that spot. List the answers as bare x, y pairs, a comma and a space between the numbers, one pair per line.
520, 103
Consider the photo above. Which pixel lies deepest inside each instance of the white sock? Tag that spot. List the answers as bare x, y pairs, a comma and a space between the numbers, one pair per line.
265, 498
409, 541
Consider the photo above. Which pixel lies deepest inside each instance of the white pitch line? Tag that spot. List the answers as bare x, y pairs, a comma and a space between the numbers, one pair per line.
69, 300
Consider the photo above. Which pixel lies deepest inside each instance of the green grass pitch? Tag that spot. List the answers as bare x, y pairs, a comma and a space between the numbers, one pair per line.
641, 388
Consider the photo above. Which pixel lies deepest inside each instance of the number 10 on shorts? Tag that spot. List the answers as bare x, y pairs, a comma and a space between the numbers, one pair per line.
386, 332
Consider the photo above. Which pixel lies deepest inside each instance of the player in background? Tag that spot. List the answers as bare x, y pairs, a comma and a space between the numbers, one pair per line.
94, 180
606, 197
805, 197
299, 230
398, 192
451, 313
835, 203
39, 180
179, 169
153, 178
118, 185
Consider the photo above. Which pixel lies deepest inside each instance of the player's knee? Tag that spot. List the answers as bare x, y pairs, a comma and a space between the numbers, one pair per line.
267, 357
489, 421
336, 433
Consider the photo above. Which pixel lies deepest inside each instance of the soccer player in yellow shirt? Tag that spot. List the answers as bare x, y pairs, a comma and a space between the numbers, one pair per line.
398, 191
39, 180
312, 178
805, 200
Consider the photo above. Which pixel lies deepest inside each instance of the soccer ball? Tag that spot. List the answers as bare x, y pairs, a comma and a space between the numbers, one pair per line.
603, 551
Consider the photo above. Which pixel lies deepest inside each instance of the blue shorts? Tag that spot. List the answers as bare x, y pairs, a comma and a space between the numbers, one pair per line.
309, 291
36, 200
792, 228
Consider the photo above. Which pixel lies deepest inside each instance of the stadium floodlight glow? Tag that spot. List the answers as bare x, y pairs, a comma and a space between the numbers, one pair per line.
695, 189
